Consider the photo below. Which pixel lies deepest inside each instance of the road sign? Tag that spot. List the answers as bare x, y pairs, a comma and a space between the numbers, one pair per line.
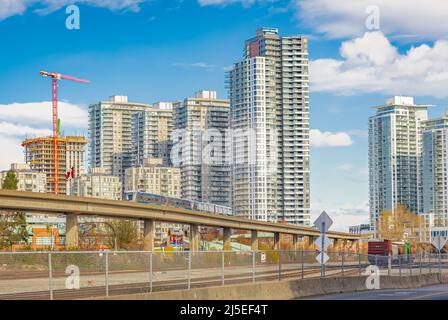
322, 242
439, 242
323, 222
322, 258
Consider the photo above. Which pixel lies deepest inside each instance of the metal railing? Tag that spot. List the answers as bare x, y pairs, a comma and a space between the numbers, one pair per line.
83, 274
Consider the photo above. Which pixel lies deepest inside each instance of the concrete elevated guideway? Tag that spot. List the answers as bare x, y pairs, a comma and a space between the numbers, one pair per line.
72, 207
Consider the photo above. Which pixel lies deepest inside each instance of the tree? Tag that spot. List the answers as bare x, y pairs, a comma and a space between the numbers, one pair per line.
11, 182
12, 229
124, 233
401, 225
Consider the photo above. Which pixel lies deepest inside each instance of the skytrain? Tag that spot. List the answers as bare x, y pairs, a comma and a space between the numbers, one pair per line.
150, 198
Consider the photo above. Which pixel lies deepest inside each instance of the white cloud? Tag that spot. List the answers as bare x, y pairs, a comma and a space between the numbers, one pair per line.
343, 215
11, 136
371, 64
9, 8
358, 133
225, 2
346, 167
39, 114
402, 18
21, 120
10, 151
10, 129
328, 139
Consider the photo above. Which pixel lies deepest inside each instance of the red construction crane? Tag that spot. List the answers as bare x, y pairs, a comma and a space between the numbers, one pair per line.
55, 77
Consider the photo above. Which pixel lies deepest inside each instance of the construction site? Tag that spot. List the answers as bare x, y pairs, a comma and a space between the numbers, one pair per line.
40, 155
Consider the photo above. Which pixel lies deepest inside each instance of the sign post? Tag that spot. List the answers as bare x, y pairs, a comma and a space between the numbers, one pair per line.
323, 223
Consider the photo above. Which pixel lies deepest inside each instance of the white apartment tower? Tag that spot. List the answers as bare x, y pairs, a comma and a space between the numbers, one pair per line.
97, 184
110, 134
151, 133
200, 125
435, 171
395, 153
153, 177
269, 121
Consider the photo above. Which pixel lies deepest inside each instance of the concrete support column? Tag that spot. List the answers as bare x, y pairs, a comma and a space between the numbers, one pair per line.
148, 236
309, 240
357, 246
227, 240
254, 240
334, 244
71, 231
339, 243
295, 242
194, 237
277, 236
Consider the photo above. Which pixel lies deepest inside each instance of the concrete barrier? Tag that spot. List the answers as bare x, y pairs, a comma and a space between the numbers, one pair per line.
287, 290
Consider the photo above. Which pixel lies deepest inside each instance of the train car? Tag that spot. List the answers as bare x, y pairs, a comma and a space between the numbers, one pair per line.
157, 199
378, 249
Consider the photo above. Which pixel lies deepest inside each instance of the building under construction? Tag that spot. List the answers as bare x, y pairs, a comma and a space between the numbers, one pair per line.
40, 155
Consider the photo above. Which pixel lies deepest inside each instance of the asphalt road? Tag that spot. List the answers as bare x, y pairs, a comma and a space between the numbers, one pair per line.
437, 292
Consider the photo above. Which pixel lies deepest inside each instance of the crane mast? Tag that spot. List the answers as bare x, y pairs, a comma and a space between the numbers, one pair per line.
55, 77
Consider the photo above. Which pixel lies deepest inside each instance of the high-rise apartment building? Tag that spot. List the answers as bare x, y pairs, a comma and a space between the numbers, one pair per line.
97, 184
200, 126
153, 178
151, 133
395, 154
269, 122
28, 180
39, 155
435, 171
110, 134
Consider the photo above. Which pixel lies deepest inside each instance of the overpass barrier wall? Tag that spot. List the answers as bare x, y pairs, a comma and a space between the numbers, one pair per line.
287, 289
81, 274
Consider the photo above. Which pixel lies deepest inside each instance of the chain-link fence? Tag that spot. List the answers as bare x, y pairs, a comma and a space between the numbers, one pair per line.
73, 274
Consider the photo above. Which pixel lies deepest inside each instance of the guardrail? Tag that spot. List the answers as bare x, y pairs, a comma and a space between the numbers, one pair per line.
84, 274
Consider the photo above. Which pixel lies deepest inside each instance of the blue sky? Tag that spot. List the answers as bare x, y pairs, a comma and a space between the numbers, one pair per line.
164, 50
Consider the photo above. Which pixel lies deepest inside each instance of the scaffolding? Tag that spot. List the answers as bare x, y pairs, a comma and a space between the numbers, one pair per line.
40, 155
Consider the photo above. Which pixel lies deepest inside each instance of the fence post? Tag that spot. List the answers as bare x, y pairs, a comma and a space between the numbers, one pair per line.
410, 264
440, 263
253, 266
106, 280
222, 267
279, 265
421, 259
389, 264
150, 272
399, 264
430, 266
189, 270
342, 264
303, 264
359, 260
50, 276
